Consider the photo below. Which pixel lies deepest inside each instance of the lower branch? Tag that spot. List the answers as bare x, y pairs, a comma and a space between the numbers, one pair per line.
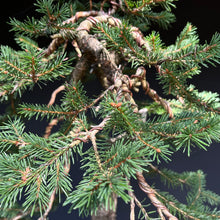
161, 208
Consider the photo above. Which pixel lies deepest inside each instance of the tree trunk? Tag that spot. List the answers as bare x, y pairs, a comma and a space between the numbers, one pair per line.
103, 214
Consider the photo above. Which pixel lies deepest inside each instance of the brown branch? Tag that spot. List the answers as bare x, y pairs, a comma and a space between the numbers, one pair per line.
50, 126
120, 163
20, 216
78, 51
139, 38
81, 14
135, 32
115, 6
152, 93
158, 150
59, 39
55, 121
132, 206
54, 94
90, 5
53, 46
81, 136
16, 68
49, 111
102, 5
112, 21
80, 69
138, 203
93, 49
151, 193
93, 140
50, 205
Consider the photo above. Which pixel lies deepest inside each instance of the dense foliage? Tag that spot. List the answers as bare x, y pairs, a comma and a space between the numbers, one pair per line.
118, 139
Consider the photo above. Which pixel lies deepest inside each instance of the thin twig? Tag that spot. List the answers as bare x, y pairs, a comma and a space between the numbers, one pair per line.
138, 203
50, 205
50, 126
152, 93
54, 94
132, 205
20, 216
102, 5
90, 5
114, 8
141, 207
93, 140
52, 197
78, 51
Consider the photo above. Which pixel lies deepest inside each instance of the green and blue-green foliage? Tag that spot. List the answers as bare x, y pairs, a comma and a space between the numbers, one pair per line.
147, 13
121, 115
51, 19
34, 167
178, 62
188, 129
118, 160
74, 102
198, 199
175, 64
20, 70
184, 59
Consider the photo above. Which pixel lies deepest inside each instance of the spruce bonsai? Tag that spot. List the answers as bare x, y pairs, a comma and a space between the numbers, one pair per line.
117, 140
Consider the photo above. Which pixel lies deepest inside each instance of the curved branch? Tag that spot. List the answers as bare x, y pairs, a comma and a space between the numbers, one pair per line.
151, 193
141, 73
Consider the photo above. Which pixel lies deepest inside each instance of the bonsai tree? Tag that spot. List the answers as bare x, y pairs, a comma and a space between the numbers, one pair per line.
118, 140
